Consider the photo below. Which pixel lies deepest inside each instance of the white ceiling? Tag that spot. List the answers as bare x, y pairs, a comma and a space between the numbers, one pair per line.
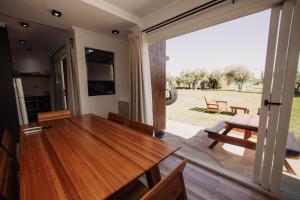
140, 8
38, 37
75, 13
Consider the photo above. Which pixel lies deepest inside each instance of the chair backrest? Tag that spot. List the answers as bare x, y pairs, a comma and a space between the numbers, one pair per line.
8, 176
120, 119
141, 127
206, 101
171, 187
52, 115
8, 144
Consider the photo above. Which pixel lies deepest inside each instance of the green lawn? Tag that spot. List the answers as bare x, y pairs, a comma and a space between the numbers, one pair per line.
189, 107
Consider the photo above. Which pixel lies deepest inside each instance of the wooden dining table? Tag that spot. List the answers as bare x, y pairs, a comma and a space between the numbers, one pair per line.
86, 157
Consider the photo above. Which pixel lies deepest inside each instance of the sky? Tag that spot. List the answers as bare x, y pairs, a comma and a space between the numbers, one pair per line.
241, 41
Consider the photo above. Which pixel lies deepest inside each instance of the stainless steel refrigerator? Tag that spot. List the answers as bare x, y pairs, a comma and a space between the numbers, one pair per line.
20, 99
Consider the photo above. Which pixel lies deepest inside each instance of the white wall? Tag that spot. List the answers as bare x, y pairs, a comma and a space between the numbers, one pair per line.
31, 61
101, 105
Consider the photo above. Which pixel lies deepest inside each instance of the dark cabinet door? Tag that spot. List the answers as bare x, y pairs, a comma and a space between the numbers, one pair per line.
8, 108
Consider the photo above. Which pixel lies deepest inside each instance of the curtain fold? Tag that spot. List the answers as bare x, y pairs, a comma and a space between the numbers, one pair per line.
72, 87
140, 79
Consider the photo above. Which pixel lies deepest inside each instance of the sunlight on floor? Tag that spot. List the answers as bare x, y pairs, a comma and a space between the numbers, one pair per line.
234, 149
183, 130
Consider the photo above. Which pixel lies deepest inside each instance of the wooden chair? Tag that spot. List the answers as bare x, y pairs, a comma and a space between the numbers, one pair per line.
8, 177
8, 168
171, 187
52, 115
141, 127
120, 119
215, 106
8, 144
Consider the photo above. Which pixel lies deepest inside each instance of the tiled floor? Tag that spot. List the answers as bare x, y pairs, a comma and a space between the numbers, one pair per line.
194, 142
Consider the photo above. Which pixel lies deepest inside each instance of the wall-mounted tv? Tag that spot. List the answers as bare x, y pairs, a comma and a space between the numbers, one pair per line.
100, 72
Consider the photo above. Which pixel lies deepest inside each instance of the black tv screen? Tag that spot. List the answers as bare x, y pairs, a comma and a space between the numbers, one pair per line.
100, 72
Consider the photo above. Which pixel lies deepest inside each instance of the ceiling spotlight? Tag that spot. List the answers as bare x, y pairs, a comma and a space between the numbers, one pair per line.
56, 13
22, 41
115, 32
24, 24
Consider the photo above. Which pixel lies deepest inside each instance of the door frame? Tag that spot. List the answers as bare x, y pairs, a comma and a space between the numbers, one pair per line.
274, 121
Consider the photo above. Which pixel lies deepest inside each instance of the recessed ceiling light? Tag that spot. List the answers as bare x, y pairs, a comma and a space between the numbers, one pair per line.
24, 24
56, 13
22, 41
115, 32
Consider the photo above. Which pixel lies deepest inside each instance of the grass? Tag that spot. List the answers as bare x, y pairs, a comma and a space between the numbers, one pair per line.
295, 117
190, 107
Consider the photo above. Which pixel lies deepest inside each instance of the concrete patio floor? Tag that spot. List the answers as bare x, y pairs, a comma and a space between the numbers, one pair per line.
227, 158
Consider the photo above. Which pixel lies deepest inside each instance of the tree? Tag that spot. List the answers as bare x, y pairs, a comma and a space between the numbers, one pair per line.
170, 80
237, 74
214, 79
297, 85
192, 77
186, 78
178, 81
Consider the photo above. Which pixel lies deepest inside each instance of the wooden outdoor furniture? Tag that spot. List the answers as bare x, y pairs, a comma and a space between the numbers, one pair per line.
52, 115
249, 123
171, 187
120, 119
234, 109
258, 111
86, 157
141, 127
215, 105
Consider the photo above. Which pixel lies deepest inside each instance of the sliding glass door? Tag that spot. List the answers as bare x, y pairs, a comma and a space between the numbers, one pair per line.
278, 93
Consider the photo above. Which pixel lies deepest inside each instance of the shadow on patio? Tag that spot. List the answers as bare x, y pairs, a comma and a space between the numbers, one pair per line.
194, 142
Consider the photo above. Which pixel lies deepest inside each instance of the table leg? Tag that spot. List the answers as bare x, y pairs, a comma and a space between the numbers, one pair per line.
224, 133
233, 111
153, 176
247, 134
288, 167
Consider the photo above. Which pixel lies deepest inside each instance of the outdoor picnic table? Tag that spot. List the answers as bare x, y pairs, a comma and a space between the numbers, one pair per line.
246, 122
249, 123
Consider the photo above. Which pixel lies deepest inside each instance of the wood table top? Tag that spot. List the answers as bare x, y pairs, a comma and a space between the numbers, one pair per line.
246, 121
85, 157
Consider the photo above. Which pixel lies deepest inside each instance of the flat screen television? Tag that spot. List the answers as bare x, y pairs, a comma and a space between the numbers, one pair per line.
100, 72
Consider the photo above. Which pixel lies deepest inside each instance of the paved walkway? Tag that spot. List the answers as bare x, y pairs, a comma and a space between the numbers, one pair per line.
228, 158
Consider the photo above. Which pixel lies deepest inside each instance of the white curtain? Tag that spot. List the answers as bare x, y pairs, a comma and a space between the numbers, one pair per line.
140, 79
72, 80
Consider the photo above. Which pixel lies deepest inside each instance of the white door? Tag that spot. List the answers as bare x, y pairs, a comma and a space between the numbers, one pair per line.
278, 91
60, 98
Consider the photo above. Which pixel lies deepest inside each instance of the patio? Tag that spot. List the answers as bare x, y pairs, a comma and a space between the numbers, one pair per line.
226, 158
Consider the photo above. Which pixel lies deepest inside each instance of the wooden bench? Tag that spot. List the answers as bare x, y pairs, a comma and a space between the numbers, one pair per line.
234, 109
214, 133
292, 146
